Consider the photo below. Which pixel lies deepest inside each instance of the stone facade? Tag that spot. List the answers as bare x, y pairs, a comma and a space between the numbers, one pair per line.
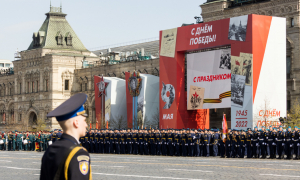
288, 9
50, 71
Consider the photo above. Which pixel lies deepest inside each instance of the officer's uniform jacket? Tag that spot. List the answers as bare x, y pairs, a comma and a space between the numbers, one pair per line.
158, 138
176, 139
128, 137
169, 138
57, 152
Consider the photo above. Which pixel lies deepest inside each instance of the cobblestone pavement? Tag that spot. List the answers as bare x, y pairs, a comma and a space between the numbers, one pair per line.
26, 165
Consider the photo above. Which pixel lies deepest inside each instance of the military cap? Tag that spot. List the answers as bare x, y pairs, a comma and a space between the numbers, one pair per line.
289, 127
296, 127
263, 127
70, 108
280, 126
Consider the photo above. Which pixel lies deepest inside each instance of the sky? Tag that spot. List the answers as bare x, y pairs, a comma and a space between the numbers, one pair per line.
98, 23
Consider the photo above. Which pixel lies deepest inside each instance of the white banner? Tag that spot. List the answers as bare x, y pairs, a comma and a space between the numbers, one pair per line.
209, 79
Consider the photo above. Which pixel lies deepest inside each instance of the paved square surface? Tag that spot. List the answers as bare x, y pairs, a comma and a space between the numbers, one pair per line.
26, 165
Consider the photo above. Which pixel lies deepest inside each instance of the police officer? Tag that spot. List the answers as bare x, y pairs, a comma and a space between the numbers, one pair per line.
66, 159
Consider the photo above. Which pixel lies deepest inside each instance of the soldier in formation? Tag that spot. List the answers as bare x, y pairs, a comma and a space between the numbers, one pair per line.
257, 143
26, 141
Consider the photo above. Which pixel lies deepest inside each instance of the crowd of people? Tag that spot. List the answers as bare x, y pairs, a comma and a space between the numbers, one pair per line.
28, 141
263, 143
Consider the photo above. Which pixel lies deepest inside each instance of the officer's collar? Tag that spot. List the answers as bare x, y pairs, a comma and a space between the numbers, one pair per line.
70, 137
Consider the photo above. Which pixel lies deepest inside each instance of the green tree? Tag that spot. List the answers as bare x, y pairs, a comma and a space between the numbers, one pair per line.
293, 117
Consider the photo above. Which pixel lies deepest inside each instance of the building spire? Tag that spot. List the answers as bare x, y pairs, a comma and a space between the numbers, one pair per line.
60, 5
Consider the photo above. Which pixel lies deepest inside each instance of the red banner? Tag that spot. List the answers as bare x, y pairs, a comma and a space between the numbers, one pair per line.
129, 102
98, 104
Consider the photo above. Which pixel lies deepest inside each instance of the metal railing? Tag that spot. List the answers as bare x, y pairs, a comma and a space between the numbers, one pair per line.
6, 72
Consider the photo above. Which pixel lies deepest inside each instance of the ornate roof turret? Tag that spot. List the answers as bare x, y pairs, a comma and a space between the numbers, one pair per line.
56, 33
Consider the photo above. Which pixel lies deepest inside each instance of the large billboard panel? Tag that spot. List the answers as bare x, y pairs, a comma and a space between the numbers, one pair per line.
208, 79
256, 54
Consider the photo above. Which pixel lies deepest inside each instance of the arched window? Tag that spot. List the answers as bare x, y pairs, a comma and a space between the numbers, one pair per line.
59, 38
2, 114
68, 39
12, 115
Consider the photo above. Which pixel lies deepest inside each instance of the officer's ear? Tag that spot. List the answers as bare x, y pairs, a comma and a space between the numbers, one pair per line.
76, 122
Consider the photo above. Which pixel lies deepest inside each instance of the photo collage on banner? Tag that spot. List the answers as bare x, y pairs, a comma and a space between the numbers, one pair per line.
208, 79
241, 77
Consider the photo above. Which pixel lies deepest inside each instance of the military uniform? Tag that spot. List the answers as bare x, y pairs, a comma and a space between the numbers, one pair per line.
1, 139
249, 144
164, 149
52, 159
280, 143
216, 138
177, 144
141, 143
289, 144
228, 145
255, 144
296, 143
241, 150
146, 143
66, 159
